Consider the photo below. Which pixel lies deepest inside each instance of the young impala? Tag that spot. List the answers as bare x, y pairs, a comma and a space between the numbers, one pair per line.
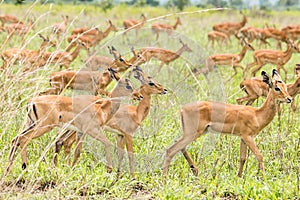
230, 28
91, 40
243, 121
125, 122
60, 28
158, 27
86, 114
276, 57
7, 18
164, 55
10, 56
130, 24
228, 60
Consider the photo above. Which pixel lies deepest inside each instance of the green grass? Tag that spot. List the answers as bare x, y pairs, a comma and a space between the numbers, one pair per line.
216, 156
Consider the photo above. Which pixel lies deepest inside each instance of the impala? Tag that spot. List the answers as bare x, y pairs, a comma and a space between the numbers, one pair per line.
243, 121
130, 24
125, 122
255, 88
19, 29
228, 59
158, 27
276, 57
86, 114
92, 41
60, 28
94, 62
62, 58
164, 55
220, 37
92, 81
27, 56
230, 28
4, 18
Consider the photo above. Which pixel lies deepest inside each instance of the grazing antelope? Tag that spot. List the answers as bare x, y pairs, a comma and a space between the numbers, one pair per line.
228, 59
276, 57
130, 24
158, 27
60, 28
125, 122
230, 28
86, 114
220, 37
7, 18
243, 121
164, 55
62, 58
255, 88
27, 56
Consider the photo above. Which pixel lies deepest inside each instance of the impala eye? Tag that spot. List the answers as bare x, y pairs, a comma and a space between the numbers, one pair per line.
277, 89
128, 87
121, 60
151, 84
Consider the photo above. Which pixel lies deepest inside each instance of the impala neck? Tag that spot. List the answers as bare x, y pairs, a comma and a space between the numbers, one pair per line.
143, 107
267, 111
75, 53
107, 31
244, 21
294, 89
242, 53
288, 54
178, 53
176, 24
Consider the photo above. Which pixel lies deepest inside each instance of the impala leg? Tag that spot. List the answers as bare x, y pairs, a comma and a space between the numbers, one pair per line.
174, 149
67, 143
190, 161
258, 67
120, 145
24, 138
249, 141
248, 98
58, 146
243, 156
97, 134
129, 148
248, 67
78, 147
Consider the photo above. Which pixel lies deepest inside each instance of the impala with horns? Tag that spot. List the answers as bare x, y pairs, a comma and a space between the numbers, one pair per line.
86, 114
125, 122
243, 121
60, 28
256, 87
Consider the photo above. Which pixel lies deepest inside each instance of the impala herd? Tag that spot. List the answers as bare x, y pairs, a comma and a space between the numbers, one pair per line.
93, 114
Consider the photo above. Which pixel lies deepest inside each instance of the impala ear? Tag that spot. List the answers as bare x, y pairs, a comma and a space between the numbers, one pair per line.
139, 74
276, 76
266, 79
114, 74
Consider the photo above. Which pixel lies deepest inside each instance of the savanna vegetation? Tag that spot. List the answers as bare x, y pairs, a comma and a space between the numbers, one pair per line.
216, 156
